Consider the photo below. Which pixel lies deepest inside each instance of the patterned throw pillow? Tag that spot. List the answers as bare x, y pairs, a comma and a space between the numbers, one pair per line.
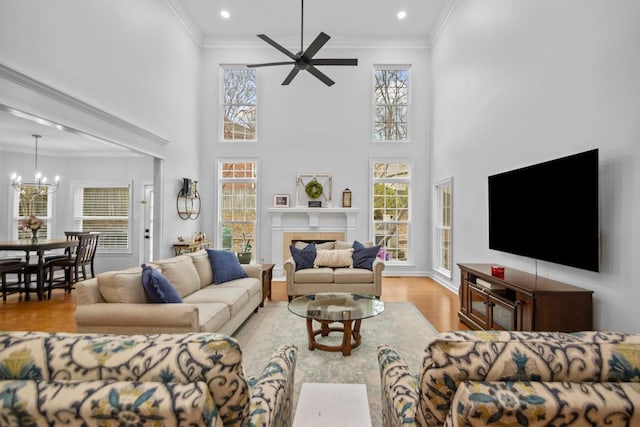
225, 266
158, 288
363, 257
303, 257
334, 258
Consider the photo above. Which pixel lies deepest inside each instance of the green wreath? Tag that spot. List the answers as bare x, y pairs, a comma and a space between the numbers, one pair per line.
313, 189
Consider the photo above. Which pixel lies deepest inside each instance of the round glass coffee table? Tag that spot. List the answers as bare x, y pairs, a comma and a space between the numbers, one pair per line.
336, 307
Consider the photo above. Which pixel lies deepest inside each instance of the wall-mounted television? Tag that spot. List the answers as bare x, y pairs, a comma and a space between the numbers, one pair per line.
548, 211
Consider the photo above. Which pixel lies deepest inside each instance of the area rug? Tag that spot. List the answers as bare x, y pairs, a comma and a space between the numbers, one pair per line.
401, 325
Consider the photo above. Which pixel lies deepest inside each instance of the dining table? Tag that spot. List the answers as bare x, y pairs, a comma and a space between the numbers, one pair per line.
39, 246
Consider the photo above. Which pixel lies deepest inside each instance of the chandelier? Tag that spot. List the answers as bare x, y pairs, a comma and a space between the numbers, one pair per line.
39, 186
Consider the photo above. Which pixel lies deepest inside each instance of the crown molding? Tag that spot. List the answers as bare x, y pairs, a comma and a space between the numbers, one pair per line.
78, 105
176, 7
442, 20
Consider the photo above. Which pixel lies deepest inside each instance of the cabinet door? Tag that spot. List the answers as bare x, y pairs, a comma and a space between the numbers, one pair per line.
503, 315
478, 309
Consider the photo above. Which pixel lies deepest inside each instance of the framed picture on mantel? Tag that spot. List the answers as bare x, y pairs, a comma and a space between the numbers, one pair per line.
280, 200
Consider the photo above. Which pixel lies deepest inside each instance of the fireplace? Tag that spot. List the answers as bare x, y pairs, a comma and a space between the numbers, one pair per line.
291, 224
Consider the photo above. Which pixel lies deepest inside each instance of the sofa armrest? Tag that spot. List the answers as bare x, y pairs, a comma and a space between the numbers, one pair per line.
399, 389
289, 268
377, 267
134, 318
271, 396
252, 270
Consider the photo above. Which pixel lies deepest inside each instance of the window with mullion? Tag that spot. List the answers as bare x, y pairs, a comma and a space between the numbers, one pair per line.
444, 215
32, 200
105, 210
391, 100
239, 103
391, 215
237, 210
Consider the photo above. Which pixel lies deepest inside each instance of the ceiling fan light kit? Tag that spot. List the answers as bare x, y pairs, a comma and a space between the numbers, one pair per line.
304, 60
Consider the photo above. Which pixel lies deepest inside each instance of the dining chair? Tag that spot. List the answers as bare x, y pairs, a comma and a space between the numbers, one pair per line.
12, 266
74, 264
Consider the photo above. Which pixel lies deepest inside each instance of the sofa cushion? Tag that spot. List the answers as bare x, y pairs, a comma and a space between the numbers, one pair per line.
334, 258
305, 257
363, 257
235, 298
225, 266
212, 315
251, 285
203, 266
314, 275
352, 275
182, 274
158, 287
124, 286
340, 244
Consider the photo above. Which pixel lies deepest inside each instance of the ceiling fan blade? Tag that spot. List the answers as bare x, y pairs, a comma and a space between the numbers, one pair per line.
334, 61
277, 46
316, 45
269, 64
319, 74
291, 75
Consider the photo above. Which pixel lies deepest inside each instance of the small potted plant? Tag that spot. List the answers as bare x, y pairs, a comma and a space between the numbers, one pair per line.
245, 256
33, 224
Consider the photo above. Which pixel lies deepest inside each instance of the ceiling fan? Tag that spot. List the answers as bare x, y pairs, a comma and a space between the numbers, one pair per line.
304, 59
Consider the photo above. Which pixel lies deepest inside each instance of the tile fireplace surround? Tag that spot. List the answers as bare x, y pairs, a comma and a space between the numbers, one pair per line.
289, 224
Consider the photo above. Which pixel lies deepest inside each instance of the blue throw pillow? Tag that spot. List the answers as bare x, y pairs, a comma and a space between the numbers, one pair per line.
158, 288
225, 266
305, 257
363, 257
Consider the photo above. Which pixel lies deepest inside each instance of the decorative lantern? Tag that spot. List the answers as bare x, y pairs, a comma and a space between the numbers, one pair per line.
346, 198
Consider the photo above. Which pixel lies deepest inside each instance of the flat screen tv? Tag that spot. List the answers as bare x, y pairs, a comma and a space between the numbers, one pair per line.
548, 211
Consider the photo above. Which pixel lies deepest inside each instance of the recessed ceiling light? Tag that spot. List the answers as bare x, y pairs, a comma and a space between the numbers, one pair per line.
225, 14
402, 14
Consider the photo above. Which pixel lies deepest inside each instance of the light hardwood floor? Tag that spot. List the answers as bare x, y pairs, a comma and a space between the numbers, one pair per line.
438, 305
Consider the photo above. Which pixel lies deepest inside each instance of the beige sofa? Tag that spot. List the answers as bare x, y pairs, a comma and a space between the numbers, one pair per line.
333, 279
115, 301
499, 378
193, 379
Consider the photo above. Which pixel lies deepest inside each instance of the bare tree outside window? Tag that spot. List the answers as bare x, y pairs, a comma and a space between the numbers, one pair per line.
391, 104
239, 104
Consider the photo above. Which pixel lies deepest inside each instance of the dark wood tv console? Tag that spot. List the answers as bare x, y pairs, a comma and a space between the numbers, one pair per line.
521, 301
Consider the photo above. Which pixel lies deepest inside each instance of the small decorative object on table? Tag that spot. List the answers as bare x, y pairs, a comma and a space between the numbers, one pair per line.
497, 271
245, 256
32, 223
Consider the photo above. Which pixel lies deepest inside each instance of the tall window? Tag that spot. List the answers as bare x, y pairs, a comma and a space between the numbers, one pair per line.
107, 211
31, 202
239, 103
237, 209
444, 205
391, 184
391, 99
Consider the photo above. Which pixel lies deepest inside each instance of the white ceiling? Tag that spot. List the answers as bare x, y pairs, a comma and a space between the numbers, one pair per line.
349, 23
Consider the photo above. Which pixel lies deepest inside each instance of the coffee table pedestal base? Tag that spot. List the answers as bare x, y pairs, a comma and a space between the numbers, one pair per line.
350, 329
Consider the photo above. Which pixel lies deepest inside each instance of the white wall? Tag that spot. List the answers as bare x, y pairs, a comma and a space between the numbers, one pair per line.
516, 83
131, 59
307, 127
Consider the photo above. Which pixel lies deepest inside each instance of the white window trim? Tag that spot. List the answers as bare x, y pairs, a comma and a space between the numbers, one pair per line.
221, 138
218, 227
375, 68
80, 185
409, 222
447, 182
13, 217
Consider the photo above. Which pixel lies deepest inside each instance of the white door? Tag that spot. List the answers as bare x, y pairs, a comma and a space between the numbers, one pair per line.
147, 246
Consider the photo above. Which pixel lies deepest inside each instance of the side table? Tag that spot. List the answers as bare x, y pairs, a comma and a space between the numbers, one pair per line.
267, 276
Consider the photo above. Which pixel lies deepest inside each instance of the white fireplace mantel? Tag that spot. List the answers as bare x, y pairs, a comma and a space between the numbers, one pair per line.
312, 220
313, 215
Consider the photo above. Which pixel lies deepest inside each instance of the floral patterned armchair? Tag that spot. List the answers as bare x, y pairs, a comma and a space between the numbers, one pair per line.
480, 378
113, 380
